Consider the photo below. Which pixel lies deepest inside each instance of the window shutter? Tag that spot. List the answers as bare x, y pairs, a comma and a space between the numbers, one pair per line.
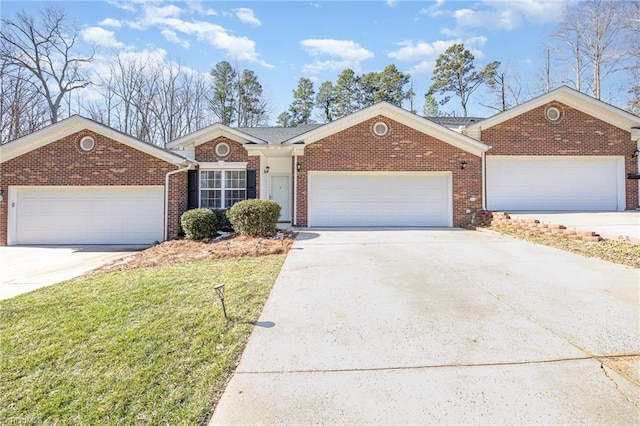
251, 184
192, 189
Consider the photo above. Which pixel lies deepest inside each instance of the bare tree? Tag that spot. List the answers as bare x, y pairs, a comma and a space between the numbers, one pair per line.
591, 33
22, 109
46, 49
505, 88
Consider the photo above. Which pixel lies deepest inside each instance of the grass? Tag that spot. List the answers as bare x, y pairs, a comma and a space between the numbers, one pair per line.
148, 346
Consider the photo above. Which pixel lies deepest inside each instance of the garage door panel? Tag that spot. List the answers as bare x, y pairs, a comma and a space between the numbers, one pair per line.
89, 215
552, 183
379, 199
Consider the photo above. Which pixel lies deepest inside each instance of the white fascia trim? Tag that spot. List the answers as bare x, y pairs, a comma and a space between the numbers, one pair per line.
569, 97
397, 114
73, 125
255, 150
212, 132
237, 165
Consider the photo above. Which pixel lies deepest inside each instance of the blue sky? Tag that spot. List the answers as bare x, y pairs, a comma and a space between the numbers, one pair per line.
284, 41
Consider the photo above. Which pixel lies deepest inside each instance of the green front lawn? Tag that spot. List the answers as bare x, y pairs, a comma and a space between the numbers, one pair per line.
148, 346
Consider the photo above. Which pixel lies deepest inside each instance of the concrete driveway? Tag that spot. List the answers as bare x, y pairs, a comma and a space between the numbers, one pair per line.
440, 327
26, 268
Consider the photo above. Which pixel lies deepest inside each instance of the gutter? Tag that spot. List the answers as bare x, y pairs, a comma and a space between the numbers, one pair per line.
295, 189
166, 196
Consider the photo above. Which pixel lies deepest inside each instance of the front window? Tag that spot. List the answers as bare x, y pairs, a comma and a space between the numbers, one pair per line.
220, 189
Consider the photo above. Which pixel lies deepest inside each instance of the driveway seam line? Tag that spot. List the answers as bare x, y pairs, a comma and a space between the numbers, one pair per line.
425, 367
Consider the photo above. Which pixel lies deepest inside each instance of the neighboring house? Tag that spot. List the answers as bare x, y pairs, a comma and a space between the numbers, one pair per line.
80, 182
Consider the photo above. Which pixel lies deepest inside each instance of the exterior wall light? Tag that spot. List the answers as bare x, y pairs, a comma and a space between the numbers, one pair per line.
1, 195
266, 169
463, 165
298, 166
635, 153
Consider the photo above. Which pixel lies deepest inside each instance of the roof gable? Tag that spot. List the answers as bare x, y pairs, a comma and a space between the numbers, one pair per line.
74, 124
569, 97
399, 115
215, 131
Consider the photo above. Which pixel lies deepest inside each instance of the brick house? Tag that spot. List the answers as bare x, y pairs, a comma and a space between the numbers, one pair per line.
78, 181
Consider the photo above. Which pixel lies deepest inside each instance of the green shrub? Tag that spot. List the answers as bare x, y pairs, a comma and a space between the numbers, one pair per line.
199, 223
256, 218
223, 220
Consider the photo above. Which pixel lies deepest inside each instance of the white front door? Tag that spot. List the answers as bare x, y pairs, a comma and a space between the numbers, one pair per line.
281, 194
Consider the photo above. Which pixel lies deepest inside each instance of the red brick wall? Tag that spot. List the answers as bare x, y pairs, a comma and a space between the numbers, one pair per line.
576, 133
401, 149
207, 152
110, 163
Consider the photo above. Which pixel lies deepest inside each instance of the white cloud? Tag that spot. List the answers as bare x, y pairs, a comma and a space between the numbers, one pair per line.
175, 28
425, 54
173, 38
342, 54
101, 37
109, 22
392, 3
246, 15
509, 14
346, 49
195, 6
433, 10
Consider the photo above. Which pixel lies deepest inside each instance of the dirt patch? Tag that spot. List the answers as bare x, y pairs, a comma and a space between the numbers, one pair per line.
184, 251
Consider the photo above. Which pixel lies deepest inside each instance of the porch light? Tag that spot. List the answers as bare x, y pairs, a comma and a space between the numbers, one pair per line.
463, 165
635, 154
266, 169
1, 195
298, 166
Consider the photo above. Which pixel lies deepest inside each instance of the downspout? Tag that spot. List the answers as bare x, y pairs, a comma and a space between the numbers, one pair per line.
484, 181
166, 197
295, 189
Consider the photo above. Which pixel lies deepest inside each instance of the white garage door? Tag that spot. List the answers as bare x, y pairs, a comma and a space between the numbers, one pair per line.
555, 183
379, 199
89, 215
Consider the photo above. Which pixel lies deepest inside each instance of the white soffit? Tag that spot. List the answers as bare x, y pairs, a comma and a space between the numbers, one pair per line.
569, 97
396, 114
73, 125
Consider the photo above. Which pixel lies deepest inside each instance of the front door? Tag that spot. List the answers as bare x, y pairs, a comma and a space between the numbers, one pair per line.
281, 194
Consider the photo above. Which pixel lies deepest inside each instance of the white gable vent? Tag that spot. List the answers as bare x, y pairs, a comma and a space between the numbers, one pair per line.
553, 114
223, 149
380, 129
87, 143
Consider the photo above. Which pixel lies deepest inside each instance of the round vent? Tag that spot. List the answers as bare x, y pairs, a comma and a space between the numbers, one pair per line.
553, 114
380, 129
223, 149
87, 143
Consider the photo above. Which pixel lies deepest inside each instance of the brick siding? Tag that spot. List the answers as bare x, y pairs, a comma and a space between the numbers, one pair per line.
576, 133
401, 149
206, 152
110, 163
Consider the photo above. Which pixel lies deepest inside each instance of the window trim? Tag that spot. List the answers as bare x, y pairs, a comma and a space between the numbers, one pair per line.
222, 188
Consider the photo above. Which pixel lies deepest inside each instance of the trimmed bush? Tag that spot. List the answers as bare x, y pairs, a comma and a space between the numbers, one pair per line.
199, 223
255, 218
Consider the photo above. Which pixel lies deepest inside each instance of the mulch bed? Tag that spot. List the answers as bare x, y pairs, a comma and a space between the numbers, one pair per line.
184, 251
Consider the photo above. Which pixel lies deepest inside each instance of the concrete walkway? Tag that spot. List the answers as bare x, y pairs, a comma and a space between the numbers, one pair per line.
610, 225
440, 327
27, 268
